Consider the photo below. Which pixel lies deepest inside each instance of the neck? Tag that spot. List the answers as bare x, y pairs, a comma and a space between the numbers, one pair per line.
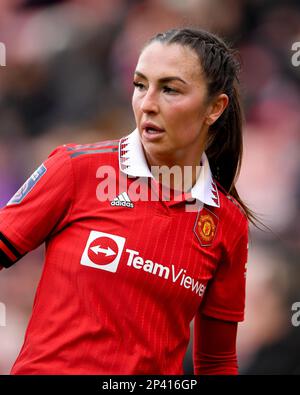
174, 175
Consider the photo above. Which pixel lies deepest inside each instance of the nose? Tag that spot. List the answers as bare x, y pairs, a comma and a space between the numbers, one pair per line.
149, 102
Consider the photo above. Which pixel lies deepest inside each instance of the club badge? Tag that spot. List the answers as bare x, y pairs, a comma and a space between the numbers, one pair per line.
206, 227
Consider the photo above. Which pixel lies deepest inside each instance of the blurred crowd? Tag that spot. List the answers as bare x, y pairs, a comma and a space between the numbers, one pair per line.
68, 78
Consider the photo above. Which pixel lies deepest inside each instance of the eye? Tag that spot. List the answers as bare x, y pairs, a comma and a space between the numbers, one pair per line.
167, 89
138, 85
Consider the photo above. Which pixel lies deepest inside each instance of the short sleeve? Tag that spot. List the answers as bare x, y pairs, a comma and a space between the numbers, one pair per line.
225, 295
39, 208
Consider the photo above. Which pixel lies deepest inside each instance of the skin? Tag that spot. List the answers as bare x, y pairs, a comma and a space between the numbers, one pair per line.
171, 92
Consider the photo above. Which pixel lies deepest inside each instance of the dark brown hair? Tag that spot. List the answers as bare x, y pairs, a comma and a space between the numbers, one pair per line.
221, 68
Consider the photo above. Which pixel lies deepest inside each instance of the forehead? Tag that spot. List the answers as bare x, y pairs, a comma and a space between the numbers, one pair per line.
159, 60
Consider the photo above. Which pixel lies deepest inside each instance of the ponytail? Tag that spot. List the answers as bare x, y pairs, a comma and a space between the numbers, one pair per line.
225, 149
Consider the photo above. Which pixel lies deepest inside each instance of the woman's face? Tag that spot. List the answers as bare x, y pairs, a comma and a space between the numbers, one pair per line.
169, 104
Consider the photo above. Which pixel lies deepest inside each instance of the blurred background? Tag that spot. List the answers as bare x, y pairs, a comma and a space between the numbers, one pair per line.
68, 78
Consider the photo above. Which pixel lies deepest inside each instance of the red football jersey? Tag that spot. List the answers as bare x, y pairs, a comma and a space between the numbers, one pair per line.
123, 277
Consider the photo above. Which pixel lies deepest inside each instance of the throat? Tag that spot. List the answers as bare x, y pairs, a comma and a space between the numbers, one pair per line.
170, 173
176, 178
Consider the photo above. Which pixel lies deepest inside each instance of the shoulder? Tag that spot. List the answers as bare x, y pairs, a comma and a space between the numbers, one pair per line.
231, 210
104, 152
79, 150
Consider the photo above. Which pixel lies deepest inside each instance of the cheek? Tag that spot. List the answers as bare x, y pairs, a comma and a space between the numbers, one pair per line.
185, 114
135, 104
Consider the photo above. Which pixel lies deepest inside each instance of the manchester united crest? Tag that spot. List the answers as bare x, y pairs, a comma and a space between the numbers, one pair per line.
206, 227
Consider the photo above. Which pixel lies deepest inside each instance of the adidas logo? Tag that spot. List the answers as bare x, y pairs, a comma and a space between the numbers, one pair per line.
122, 200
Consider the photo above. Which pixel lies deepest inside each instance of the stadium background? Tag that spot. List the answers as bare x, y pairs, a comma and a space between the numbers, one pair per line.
68, 79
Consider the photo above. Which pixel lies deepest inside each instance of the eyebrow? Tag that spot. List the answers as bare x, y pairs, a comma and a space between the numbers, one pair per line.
161, 80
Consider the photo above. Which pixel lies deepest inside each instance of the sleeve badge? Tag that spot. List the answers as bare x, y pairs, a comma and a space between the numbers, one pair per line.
28, 186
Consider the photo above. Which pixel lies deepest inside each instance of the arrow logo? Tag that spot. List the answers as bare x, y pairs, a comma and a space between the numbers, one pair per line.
107, 252
103, 251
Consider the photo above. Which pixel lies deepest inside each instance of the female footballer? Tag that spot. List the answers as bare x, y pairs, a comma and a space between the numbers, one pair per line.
126, 269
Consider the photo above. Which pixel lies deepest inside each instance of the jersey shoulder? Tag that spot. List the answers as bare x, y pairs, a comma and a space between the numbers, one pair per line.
99, 153
230, 206
78, 150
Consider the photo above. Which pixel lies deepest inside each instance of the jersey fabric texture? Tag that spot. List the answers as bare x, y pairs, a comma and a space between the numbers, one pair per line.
123, 277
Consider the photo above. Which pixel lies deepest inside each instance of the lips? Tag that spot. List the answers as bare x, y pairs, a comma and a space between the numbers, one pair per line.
151, 128
152, 131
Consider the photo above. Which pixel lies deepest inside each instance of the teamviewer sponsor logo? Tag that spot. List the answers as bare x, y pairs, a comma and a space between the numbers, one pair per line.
169, 273
103, 251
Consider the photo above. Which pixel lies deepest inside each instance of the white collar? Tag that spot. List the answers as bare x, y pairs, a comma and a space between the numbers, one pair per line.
132, 162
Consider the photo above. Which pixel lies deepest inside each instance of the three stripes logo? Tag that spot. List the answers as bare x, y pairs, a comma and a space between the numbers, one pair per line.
122, 200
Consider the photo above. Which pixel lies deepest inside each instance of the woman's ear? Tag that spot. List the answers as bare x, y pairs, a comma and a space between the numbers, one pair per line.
216, 108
